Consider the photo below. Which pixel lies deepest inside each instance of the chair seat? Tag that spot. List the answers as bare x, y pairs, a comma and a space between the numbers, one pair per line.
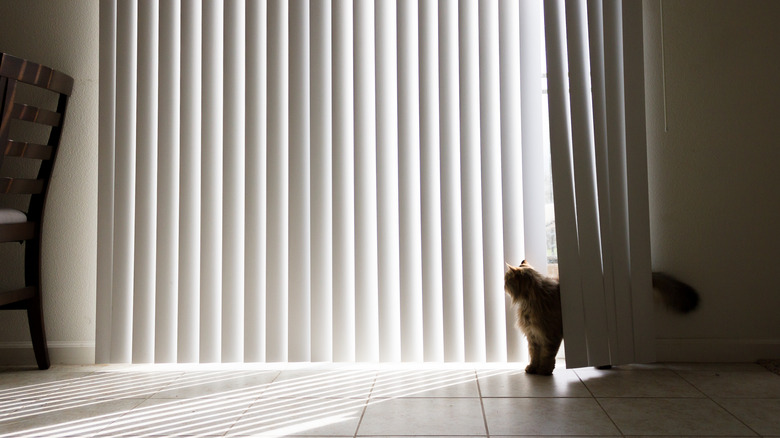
12, 216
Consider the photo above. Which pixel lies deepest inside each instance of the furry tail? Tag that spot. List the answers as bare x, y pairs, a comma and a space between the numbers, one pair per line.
674, 293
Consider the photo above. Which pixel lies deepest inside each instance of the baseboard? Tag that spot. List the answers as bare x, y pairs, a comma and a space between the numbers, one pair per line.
60, 353
716, 350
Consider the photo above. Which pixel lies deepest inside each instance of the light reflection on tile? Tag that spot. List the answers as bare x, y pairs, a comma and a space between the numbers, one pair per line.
389, 399
516, 383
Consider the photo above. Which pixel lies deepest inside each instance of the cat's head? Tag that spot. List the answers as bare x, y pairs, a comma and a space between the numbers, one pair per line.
518, 279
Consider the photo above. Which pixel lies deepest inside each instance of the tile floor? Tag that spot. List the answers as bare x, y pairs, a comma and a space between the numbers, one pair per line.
733, 400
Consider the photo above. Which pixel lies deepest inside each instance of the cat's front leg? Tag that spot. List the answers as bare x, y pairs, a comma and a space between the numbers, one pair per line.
533, 352
546, 360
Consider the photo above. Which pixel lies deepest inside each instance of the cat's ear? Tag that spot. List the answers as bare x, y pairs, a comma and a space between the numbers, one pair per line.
508, 266
523, 263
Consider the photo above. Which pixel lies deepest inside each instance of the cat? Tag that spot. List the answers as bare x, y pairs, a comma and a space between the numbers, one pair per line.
537, 299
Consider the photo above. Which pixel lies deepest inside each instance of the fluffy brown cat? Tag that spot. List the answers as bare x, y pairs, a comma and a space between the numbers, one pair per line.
537, 299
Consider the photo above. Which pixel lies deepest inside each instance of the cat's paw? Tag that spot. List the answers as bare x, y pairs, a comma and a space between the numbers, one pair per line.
545, 371
531, 369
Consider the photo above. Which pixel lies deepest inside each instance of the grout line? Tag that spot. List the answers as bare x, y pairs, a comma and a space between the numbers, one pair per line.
598, 402
482, 404
365, 406
714, 400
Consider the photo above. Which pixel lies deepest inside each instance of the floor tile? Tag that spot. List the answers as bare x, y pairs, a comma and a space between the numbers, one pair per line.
711, 366
547, 416
33, 384
117, 385
672, 416
187, 417
516, 383
423, 416
735, 384
300, 417
761, 415
196, 384
83, 419
426, 383
322, 384
620, 382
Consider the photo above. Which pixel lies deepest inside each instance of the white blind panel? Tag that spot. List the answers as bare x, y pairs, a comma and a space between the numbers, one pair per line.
366, 220
146, 185
322, 181
511, 157
452, 242
233, 212
299, 180
211, 184
563, 181
256, 182
124, 183
532, 138
590, 256
616, 153
636, 164
431, 228
387, 182
471, 181
278, 181
106, 151
598, 87
189, 216
299, 293
166, 289
410, 228
603, 241
343, 184
492, 202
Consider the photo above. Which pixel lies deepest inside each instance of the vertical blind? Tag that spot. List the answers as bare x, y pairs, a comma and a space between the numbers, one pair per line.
595, 70
338, 180
316, 181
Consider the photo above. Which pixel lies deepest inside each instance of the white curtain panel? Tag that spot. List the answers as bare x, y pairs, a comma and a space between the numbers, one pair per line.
338, 180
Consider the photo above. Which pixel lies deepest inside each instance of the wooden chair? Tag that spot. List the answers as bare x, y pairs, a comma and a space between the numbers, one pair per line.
21, 122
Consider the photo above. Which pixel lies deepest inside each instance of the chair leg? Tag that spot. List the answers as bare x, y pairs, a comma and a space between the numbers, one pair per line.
38, 333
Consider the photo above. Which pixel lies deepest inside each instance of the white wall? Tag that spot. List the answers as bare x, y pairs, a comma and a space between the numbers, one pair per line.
715, 173
61, 34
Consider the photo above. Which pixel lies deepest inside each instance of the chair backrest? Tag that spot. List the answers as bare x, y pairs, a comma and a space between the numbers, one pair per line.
26, 123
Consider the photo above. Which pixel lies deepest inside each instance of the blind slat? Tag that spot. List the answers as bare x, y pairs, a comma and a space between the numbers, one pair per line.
321, 181
410, 217
470, 180
452, 243
492, 225
124, 183
299, 343
168, 183
366, 220
278, 181
256, 182
388, 182
343, 184
511, 157
432, 274
189, 218
212, 158
233, 195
